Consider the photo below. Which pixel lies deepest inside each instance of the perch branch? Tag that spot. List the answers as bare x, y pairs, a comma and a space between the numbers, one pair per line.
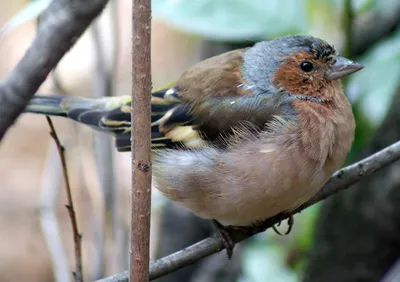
141, 141
341, 180
78, 275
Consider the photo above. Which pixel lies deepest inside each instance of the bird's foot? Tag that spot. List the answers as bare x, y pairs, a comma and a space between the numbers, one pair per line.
290, 222
229, 234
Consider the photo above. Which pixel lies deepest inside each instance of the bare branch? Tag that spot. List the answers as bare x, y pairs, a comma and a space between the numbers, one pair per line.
348, 17
141, 142
52, 175
341, 180
60, 27
78, 274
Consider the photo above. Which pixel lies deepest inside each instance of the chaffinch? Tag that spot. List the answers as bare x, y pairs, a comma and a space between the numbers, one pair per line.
242, 136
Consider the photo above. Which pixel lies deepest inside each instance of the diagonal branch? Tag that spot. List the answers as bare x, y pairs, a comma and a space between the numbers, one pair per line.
374, 26
60, 27
341, 180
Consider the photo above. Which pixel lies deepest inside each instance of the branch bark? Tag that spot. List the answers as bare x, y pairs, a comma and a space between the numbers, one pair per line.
60, 27
141, 142
78, 274
341, 180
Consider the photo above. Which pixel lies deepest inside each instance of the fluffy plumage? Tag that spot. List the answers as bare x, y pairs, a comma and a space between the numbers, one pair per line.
241, 136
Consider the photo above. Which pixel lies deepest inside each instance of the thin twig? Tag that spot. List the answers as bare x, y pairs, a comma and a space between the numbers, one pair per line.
141, 142
78, 275
48, 195
341, 180
50, 187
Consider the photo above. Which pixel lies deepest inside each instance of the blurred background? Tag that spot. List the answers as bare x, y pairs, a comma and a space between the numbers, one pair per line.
352, 237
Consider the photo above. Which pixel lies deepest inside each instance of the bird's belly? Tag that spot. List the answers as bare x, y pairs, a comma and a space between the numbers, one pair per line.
240, 188
274, 200
261, 196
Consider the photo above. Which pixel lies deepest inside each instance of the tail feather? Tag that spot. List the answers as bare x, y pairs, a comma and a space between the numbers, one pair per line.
47, 105
172, 124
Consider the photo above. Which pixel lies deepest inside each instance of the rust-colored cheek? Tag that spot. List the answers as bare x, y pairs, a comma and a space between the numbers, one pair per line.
289, 76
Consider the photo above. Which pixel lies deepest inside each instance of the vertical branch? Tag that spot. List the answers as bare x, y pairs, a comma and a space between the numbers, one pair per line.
141, 141
78, 275
348, 17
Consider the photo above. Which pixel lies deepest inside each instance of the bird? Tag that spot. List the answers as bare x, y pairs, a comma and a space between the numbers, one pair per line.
239, 137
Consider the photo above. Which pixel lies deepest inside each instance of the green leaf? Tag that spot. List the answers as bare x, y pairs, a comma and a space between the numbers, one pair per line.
263, 262
233, 20
362, 6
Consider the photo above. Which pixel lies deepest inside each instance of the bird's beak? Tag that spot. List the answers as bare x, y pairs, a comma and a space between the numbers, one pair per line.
341, 68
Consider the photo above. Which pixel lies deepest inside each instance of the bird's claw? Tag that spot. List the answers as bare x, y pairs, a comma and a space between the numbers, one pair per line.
230, 234
290, 225
226, 237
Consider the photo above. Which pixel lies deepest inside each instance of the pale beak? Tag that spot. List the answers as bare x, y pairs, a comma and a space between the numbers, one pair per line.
341, 68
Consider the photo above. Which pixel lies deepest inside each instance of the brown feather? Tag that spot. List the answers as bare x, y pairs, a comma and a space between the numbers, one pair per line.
215, 77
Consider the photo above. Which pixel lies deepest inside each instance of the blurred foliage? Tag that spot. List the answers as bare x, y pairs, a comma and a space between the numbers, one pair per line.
373, 87
265, 262
238, 20
234, 20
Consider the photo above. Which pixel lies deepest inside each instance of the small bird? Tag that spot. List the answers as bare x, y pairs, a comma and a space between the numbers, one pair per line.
242, 136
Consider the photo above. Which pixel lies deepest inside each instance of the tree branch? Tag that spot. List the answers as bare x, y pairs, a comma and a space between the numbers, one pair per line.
78, 274
341, 180
141, 142
60, 27
374, 27
348, 17
51, 177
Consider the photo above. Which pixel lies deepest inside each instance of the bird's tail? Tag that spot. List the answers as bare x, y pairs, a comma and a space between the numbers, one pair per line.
47, 105
170, 120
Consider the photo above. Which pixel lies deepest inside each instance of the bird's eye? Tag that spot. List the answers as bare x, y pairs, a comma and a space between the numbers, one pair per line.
306, 66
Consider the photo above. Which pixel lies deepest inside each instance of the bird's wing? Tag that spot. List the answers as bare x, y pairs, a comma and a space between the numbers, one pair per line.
178, 125
171, 124
206, 103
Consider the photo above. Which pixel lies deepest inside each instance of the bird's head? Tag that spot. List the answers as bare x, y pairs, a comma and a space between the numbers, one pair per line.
297, 65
